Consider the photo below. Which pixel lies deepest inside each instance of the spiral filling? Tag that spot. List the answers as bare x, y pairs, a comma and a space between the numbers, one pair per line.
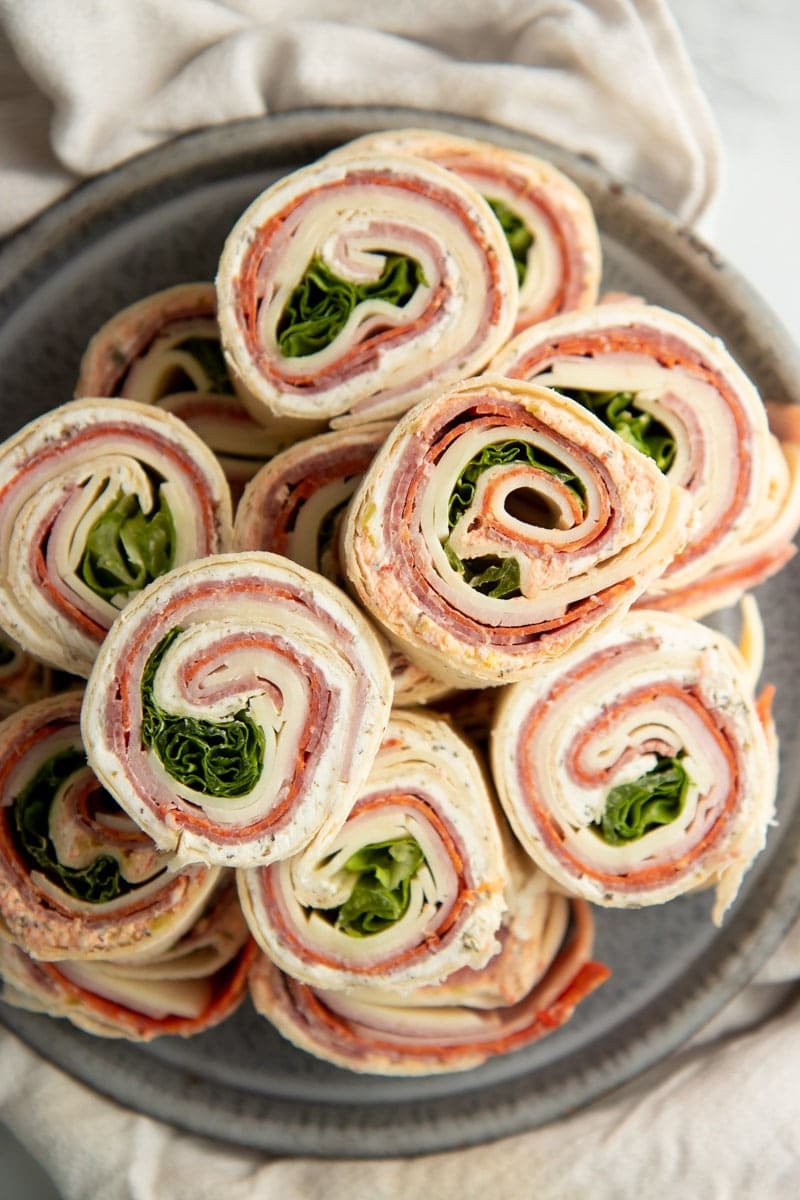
217, 759
381, 892
322, 302
71, 830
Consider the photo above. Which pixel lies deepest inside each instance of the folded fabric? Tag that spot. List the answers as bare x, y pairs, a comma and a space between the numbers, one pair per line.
680, 1121
607, 78
84, 86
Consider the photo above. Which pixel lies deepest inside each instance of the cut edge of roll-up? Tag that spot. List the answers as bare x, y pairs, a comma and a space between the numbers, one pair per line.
78, 879
420, 270
534, 929
413, 885
96, 498
109, 366
430, 538
401, 1039
676, 393
641, 767
192, 986
267, 666
547, 220
164, 349
295, 506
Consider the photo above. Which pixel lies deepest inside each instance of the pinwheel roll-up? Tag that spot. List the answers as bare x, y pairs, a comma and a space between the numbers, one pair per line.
409, 890
236, 708
502, 523
188, 987
675, 393
78, 880
165, 350
640, 767
352, 288
432, 1030
161, 345
295, 506
98, 498
547, 220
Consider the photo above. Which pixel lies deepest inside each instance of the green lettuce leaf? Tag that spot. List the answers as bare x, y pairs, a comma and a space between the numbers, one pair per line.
519, 237
96, 883
125, 550
321, 304
207, 353
381, 892
652, 800
498, 577
640, 429
224, 759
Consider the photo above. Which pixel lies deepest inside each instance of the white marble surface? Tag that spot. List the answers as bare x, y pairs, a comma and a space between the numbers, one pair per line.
746, 54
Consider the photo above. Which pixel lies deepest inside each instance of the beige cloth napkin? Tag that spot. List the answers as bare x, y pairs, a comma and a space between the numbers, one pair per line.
717, 1121
85, 84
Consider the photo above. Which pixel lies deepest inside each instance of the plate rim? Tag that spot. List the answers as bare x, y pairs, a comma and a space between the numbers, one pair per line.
489, 1111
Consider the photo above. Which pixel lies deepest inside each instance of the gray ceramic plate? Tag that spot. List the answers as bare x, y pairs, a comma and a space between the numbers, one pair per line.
162, 219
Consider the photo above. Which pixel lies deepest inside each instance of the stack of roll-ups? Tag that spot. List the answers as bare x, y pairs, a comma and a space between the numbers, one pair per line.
675, 393
98, 924
378, 745
165, 350
547, 220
